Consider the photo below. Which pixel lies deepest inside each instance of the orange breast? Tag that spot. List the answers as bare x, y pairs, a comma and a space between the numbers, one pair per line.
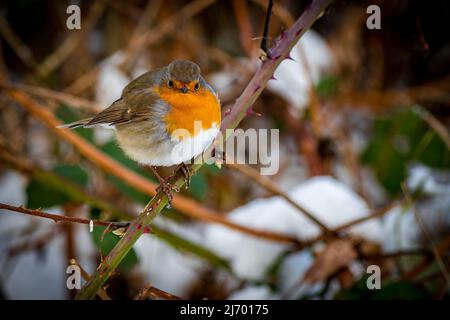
189, 107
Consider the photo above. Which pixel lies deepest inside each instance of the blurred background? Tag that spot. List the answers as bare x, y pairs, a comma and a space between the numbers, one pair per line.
364, 119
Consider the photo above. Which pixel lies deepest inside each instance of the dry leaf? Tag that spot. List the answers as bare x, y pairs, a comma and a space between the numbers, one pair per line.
336, 255
120, 231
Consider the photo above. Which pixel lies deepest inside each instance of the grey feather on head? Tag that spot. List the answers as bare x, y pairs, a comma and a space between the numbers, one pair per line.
184, 71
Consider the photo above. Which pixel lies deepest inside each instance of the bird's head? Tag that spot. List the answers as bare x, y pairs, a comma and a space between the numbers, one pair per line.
183, 76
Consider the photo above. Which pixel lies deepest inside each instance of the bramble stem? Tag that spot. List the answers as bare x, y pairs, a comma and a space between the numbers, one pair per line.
279, 52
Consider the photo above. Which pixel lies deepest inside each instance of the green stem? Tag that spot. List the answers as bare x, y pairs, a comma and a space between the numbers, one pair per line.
76, 194
279, 52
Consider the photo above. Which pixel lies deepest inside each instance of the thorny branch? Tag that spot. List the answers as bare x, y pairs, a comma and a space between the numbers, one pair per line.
181, 203
278, 53
378, 100
149, 292
60, 218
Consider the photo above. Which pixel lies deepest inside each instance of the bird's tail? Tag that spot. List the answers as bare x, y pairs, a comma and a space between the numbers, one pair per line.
76, 124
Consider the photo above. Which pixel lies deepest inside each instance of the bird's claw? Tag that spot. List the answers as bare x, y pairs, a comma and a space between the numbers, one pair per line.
187, 173
166, 188
264, 55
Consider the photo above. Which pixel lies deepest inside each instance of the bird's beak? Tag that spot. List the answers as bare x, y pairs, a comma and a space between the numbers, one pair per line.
184, 89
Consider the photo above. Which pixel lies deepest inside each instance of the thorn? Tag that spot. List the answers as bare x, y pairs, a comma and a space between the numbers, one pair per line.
263, 55
251, 112
276, 58
147, 230
227, 112
289, 57
257, 88
104, 232
273, 78
298, 32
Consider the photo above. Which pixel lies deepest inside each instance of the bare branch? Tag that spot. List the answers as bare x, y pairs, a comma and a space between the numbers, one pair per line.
61, 218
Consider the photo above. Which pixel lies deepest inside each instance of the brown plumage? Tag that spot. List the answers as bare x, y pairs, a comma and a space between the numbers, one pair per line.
156, 104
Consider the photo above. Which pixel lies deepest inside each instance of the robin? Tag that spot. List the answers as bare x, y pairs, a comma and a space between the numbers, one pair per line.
164, 117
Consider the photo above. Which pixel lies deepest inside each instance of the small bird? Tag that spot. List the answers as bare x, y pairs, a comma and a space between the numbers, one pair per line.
164, 117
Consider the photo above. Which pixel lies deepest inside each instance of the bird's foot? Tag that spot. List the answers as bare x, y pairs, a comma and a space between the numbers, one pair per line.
187, 173
164, 186
167, 189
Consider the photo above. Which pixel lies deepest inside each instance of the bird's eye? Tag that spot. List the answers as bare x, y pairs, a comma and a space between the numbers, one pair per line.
197, 86
170, 84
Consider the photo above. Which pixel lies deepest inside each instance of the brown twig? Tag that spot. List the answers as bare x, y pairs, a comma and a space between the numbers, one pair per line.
149, 292
436, 125
441, 248
70, 243
183, 204
150, 12
244, 25
274, 189
21, 50
375, 214
141, 41
279, 11
101, 292
436, 91
77, 195
61, 218
34, 244
57, 57
83, 82
426, 235
163, 28
74, 101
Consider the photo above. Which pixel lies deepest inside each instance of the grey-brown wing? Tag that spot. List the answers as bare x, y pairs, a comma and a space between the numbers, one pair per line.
144, 81
134, 106
138, 102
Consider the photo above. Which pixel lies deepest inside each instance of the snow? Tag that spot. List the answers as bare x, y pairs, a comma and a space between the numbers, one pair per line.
110, 83
41, 275
12, 186
166, 268
403, 232
292, 77
330, 200
293, 268
426, 179
224, 80
38, 277
163, 266
401, 228
250, 292
32, 274
292, 80
112, 79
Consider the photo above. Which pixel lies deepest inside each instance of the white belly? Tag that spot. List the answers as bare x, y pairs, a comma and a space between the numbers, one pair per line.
174, 152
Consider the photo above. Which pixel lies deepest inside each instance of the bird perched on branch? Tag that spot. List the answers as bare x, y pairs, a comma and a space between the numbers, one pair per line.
164, 117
